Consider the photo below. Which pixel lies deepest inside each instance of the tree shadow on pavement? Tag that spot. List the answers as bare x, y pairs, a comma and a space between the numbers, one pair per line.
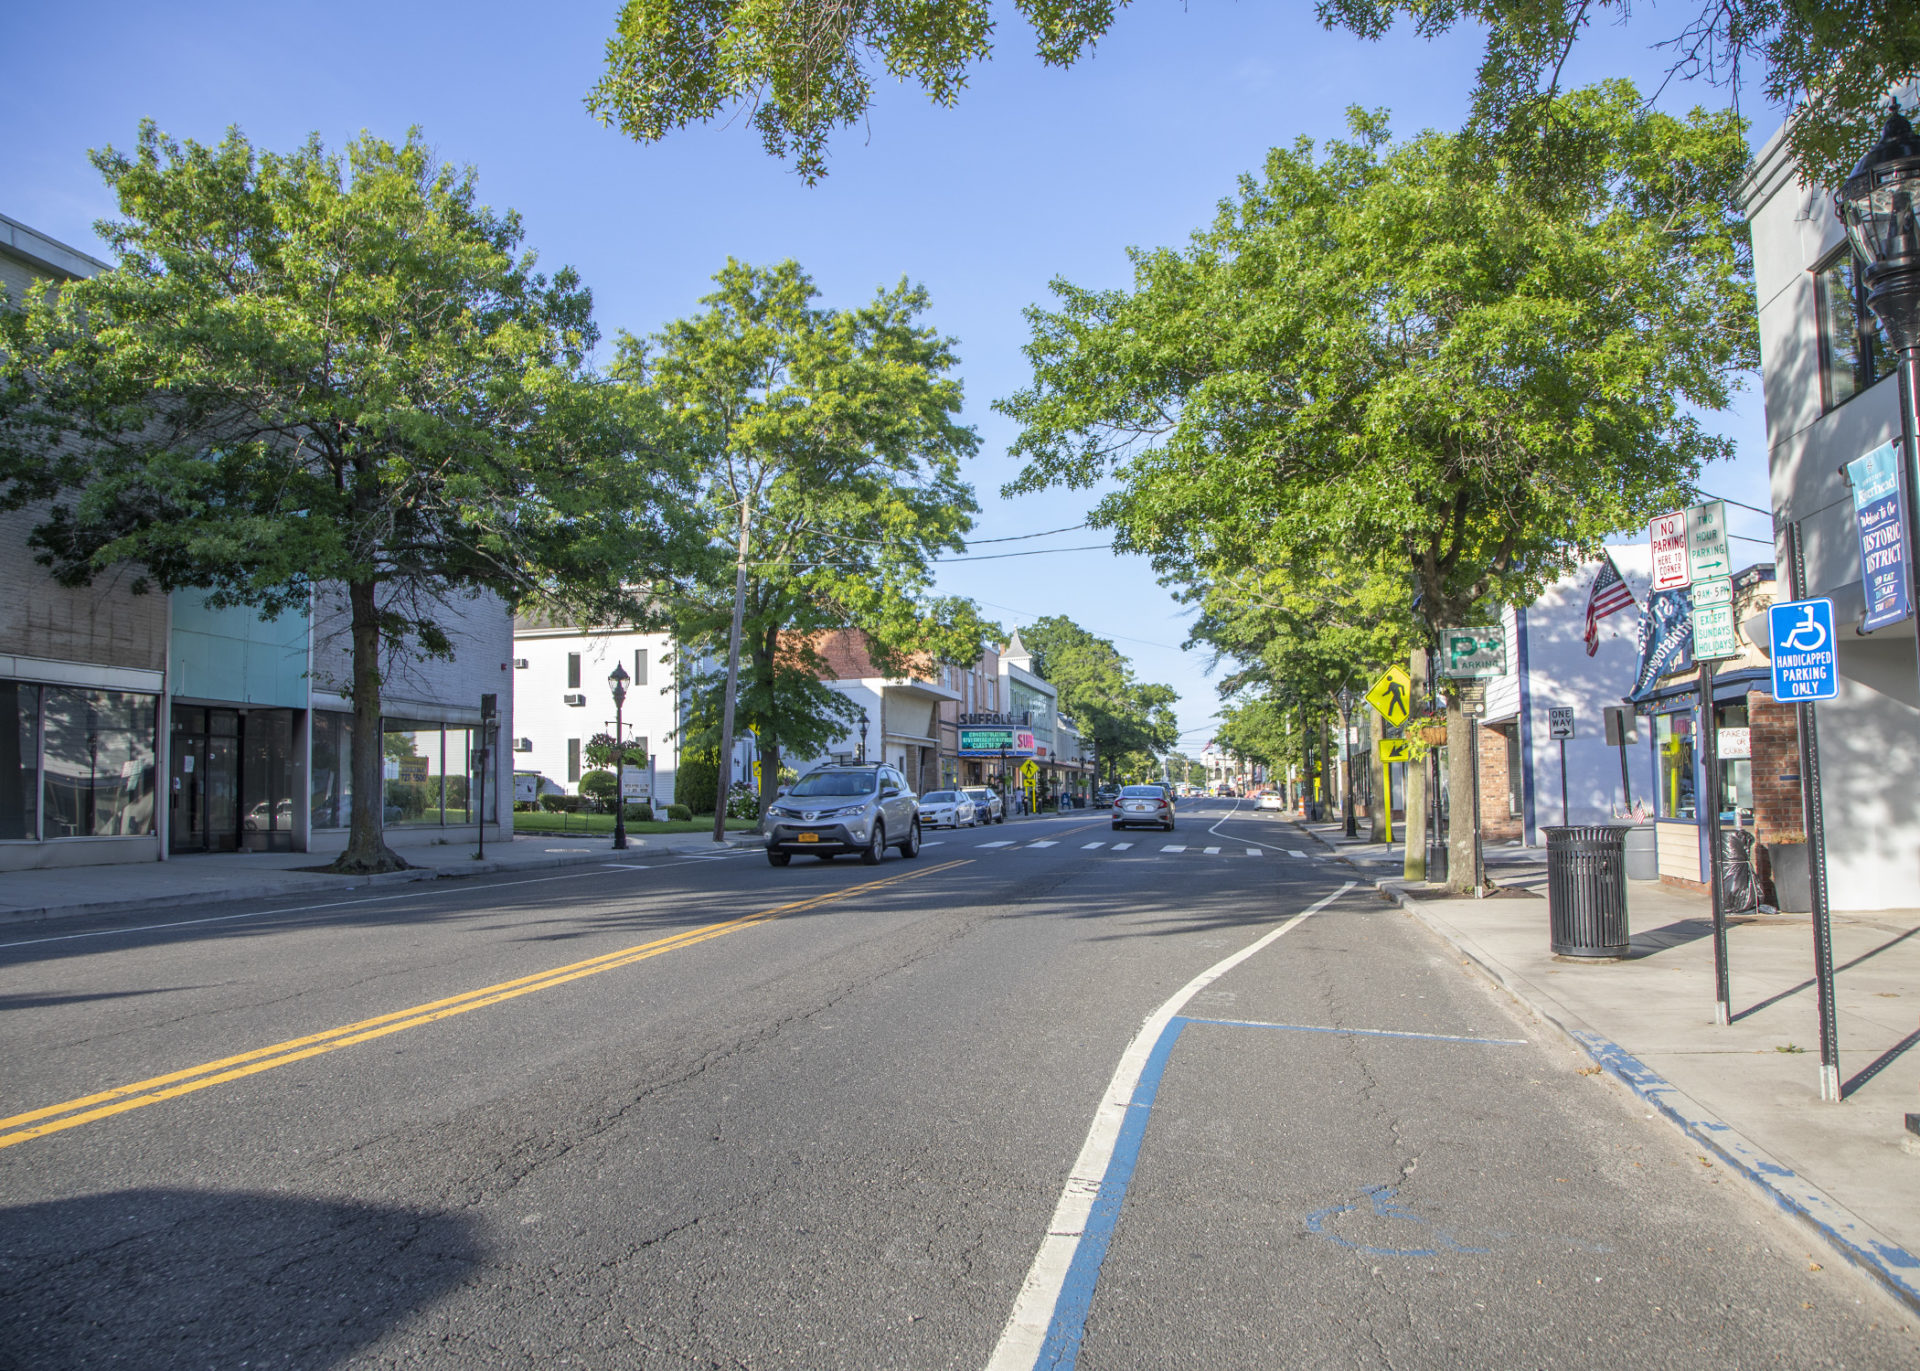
184, 1278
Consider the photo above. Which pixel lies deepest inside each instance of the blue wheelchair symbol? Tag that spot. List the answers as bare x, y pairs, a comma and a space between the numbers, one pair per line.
1805, 664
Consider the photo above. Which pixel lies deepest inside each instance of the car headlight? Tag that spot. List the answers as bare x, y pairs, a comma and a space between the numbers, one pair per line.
844, 810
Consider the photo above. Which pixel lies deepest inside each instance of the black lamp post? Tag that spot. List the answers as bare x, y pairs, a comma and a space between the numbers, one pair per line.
1877, 203
862, 760
618, 680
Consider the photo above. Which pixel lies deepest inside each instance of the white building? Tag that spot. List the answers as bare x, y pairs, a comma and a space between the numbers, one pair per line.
1831, 397
563, 698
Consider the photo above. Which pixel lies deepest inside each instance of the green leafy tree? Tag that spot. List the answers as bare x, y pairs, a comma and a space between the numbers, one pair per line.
1129, 721
311, 376
828, 459
1413, 357
804, 70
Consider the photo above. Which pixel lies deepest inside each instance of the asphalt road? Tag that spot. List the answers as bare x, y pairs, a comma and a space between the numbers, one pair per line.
705, 1113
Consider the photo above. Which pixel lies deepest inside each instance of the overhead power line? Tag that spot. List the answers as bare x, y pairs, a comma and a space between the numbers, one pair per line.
1031, 552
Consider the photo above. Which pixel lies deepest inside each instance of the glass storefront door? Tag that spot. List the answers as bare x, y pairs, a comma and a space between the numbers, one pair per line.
231, 787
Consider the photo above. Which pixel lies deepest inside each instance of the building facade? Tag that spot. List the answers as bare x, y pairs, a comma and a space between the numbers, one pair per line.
1831, 397
563, 699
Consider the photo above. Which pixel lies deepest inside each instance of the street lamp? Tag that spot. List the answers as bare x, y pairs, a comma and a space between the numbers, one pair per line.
618, 680
1877, 204
863, 735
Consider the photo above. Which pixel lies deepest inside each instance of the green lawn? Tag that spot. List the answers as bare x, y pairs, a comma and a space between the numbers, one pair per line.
543, 822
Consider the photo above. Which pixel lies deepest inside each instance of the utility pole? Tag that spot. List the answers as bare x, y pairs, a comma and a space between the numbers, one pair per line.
733, 673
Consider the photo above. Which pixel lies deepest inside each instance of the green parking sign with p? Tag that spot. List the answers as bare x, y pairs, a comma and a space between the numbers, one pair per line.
1473, 652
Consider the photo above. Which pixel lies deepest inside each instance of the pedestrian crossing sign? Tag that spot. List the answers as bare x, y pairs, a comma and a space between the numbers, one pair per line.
1393, 749
1029, 771
1392, 695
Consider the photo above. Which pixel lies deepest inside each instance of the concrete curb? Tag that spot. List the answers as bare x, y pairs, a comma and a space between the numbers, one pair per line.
265, 887
1895, 1269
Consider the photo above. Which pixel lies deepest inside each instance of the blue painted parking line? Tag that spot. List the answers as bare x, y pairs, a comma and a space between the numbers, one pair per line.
1065, 1332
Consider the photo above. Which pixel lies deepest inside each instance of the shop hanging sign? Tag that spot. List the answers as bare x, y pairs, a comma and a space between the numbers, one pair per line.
1666, 639
992, 742
1883, 543
1668, 535
1713, 634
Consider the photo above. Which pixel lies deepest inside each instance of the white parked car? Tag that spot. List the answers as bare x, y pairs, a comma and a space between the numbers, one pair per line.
947, 809
1270, 800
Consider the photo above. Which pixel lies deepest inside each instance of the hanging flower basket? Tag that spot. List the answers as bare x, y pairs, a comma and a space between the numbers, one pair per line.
1434, 735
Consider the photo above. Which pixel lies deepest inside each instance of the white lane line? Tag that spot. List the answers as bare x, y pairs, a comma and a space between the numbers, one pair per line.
1174, 847
1004, 842
933, 842
1296, 852
625, 866
1255, 852
1088, 847
1050, 842
1121, 847
1213, 851
1026, 1330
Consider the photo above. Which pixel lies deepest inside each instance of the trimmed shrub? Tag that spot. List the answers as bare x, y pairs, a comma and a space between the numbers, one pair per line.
562, 804
639, 814
599, 787
680, 812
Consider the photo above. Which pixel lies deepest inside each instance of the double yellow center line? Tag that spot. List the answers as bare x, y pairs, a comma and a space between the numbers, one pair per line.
56, 1118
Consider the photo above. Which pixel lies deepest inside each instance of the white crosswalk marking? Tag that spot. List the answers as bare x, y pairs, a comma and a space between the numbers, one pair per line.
1296, 852
933, 842
1253, 852
1088, 847
1213, 852
1048, 843
1004, 842
1121, 847
1174, 847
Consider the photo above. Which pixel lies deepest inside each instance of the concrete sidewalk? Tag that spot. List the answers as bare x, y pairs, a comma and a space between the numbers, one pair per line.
1748, 1093
60, 892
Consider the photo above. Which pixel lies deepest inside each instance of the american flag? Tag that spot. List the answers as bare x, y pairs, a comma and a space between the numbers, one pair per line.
1607, 595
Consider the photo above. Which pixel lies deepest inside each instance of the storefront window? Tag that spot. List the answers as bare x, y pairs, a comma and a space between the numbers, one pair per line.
332, 770
19, 760
459, 771
1673, 742
98, 752
413, 772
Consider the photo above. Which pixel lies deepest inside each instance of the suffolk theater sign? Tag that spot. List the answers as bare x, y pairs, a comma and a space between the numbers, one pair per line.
996, 734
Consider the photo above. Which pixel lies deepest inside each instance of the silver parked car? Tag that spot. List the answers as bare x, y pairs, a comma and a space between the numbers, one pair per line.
987, 804
947, 809
835, 809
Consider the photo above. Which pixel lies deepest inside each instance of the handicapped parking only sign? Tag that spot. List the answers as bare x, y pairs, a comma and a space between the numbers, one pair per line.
1805, 664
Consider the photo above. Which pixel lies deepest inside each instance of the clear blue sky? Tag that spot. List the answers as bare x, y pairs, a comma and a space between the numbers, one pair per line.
1038, 173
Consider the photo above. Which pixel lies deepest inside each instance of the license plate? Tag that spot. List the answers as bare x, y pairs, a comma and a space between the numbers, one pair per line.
809, 837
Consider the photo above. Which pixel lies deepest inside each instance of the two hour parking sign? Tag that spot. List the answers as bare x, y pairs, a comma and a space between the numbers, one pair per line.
1805, 664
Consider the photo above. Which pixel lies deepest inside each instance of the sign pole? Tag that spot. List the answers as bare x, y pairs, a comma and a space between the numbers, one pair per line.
1566, 812
1710, 798
1814, 810
1386, 785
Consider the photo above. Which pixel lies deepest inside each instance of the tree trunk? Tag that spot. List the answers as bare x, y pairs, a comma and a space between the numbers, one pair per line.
1414, 864
367, 851
1462, 738
764, 657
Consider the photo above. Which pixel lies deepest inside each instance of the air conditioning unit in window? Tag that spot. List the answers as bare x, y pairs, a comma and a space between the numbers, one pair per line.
575, 700
520, 663
523, 744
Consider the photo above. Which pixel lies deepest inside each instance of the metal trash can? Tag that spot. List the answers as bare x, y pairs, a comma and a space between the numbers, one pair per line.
1587, 890
1739, 883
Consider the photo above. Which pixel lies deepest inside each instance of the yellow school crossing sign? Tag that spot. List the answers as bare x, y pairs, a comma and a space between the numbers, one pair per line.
1392, 695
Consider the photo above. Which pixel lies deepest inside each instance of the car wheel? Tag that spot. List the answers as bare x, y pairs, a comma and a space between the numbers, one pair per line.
779, 858
911, 846
876, 847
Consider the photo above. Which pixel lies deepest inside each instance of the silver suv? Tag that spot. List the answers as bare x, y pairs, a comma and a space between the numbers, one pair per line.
835, 809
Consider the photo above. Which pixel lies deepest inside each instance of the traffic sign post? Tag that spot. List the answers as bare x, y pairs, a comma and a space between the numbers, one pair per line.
1707, 555
1391, 750
1805, 661
1560, 727
1392, 696
1668, 535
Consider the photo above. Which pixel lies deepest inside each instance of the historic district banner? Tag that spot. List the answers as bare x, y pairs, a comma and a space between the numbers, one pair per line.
1666, 638
1883, 551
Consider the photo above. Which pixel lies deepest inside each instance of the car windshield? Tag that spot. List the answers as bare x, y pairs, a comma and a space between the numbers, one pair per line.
981, 793
938, 797
1142, 792
835, 783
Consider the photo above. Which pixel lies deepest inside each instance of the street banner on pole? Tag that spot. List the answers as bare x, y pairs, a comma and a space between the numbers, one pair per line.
1668, 534
1805, 664
1883, 549
1473, 652
1713, 633
1666, 639
1392, 695
1707, 554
